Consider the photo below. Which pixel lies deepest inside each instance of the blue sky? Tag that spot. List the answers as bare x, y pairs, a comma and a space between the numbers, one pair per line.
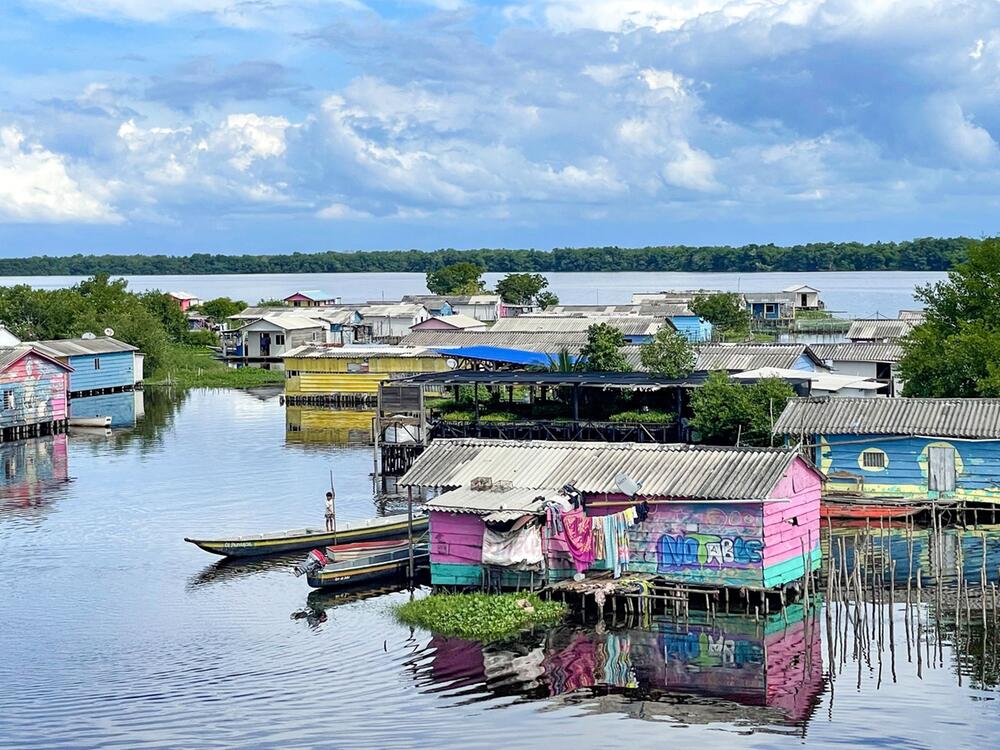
272, 125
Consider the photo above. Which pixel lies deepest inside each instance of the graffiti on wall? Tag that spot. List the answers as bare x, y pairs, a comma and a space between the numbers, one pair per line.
706, 550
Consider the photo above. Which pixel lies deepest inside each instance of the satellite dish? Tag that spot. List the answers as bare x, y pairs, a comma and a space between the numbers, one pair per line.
627, 486
109, 331
88, 336
452, 363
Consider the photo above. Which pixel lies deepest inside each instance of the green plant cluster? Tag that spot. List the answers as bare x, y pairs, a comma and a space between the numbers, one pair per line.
480, 617
651, 416
925, 254
724, 411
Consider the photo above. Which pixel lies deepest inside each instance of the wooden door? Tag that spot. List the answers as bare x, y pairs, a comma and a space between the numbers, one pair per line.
941, 468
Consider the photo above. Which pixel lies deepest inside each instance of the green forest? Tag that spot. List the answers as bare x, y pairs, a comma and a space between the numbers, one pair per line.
927, 254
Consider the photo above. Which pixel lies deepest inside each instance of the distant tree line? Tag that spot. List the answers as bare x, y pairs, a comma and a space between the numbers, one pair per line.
926, 254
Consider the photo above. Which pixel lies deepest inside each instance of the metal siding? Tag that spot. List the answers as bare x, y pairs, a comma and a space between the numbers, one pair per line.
861, 351
116, 371
742, 357
964, 418
880, 329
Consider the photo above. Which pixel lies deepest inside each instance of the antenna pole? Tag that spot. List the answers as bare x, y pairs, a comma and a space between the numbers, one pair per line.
334, 493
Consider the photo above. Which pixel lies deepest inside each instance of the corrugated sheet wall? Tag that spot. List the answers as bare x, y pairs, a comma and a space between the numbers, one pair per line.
693, 328
115, 371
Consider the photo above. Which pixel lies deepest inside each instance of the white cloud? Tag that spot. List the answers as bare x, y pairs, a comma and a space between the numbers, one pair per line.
341, 211
250, 137
36, 186
691, 169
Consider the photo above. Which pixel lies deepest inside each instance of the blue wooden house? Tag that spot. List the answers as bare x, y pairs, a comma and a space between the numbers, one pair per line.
901, 447
100, 365
692, 327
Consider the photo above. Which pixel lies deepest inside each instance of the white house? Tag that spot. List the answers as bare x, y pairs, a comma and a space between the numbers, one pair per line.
804, 297
391, 321
273, 335
484, 307
872, 360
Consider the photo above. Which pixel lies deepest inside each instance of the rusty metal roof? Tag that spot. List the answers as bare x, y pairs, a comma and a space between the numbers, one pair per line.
880, 329
935, 417
860, 351
682, 471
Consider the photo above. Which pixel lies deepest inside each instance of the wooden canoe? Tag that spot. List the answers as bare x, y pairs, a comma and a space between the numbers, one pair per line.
366, 568
89, 422
254, 545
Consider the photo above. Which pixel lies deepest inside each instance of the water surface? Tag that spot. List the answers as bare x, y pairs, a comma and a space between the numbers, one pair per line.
117, 634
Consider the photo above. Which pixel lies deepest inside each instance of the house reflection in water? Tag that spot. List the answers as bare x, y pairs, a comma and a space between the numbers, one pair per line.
734, 669
313, 425
31, 469
123, 408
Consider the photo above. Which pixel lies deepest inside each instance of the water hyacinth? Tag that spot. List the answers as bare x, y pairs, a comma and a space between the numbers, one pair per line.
481, 617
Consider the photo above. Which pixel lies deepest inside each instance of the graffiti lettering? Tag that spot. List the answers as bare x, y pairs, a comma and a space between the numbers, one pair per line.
698, 550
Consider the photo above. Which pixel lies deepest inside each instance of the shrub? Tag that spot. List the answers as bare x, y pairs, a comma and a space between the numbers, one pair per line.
481, 617
651, 417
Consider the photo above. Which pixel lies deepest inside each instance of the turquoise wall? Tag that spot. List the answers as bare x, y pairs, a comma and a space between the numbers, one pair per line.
115, 371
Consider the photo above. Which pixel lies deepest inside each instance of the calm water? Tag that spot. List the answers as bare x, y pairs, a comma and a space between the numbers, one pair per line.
852, 294
118, 634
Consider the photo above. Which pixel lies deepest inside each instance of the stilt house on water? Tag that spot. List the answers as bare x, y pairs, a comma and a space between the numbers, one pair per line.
100, 365
716, 517
33, 392
901, 447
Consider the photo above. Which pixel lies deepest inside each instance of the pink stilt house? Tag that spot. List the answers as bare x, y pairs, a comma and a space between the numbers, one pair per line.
718, 517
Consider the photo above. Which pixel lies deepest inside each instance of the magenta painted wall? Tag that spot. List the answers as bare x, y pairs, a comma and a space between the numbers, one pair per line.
39, 389
456, 538
783, 540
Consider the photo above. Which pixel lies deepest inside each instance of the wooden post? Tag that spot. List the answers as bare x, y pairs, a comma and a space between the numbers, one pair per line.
409, 528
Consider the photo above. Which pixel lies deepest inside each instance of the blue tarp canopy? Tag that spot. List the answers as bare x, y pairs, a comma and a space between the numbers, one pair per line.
499, 354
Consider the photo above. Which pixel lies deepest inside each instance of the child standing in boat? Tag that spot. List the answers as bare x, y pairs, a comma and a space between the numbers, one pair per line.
329, 511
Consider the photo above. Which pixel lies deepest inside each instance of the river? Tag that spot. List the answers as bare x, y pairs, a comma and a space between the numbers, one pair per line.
854, 294
118, 634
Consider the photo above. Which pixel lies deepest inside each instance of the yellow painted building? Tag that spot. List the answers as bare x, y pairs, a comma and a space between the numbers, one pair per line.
317, 371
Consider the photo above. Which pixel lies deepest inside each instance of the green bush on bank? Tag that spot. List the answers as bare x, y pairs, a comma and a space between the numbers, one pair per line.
652, 416
481, 617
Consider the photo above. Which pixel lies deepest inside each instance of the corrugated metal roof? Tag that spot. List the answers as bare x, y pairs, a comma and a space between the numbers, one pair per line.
317, 295
533, 342
10, 355
496, 354
916, 315
321, 351
329, 313
498, 504
742, 357
475, 299
589, 310
288, 322
182, 295
397, 310
936, 417
683, 471
633, 325
457, 321
776, 297
862, 351
879, 329
81, 347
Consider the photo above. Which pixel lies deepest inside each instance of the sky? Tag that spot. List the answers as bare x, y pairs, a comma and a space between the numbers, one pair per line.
294, 125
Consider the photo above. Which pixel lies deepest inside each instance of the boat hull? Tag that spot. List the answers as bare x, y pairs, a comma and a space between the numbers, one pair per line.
274, 545
362, 574
89, 422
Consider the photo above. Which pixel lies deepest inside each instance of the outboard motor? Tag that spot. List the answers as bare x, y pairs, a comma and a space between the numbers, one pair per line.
313, 562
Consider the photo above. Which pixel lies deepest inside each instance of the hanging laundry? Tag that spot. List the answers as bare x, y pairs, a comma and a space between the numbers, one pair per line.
521, 548
579, 533
599, 550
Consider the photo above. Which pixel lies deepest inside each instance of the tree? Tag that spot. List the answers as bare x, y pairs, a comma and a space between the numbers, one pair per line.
724, 410
545, 300
521, 288
669, 354
220, 308
563, 362
171, 316
458, 278
271, 303
725, 311
955, 353
602, 352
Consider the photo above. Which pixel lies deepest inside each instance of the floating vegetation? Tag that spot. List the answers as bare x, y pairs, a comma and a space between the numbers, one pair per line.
481, 617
